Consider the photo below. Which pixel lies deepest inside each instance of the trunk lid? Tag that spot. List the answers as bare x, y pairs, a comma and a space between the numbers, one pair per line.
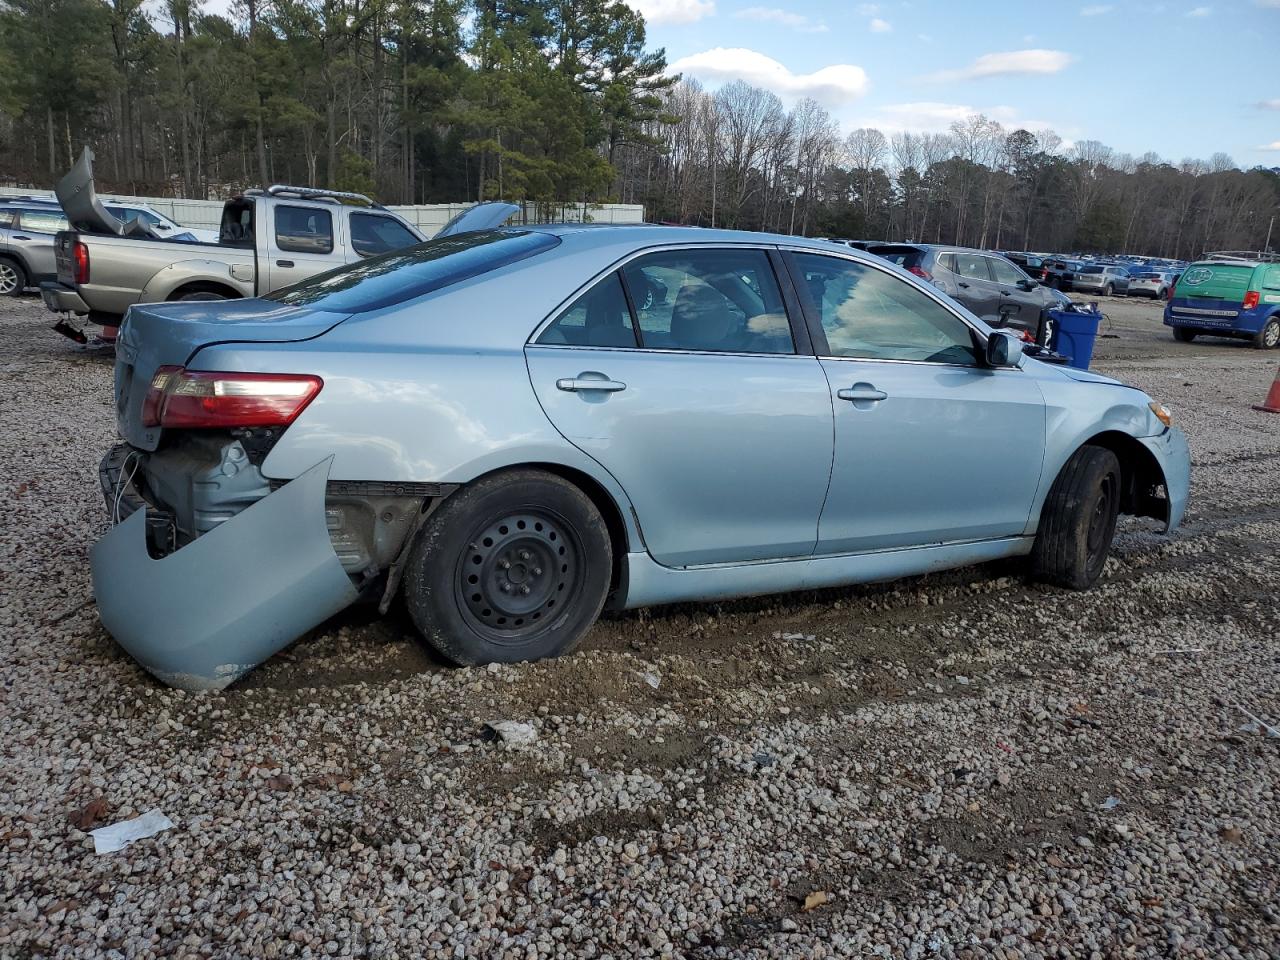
159, 334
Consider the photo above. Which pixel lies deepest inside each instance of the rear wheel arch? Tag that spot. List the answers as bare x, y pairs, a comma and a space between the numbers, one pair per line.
204, 286
20, 268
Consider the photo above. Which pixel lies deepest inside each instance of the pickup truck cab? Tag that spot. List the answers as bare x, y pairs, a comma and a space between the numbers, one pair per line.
1228, 296
267, 239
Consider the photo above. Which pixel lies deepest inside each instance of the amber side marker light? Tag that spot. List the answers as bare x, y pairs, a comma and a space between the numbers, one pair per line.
1163, 413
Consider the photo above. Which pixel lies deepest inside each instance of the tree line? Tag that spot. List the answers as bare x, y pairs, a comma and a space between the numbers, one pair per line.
422, 101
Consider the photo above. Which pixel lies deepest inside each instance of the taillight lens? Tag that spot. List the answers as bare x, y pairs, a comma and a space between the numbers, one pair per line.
200, 399
921, 272
1251, 299
80, 257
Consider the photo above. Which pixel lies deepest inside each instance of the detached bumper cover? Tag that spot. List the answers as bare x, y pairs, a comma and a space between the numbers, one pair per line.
1171, 452
213, 610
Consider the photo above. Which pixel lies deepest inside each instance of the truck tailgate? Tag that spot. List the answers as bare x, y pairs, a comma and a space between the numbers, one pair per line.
160, 334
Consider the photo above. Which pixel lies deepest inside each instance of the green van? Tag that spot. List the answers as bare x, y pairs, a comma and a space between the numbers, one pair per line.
1228, 297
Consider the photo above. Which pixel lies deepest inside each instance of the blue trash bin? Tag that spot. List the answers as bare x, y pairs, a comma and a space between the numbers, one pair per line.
1074, 334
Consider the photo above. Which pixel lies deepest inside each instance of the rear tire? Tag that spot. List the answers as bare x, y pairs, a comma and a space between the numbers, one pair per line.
1183, 335
1108, 291
1078, 521
513, 567
13, 278
1268, 337
202, 292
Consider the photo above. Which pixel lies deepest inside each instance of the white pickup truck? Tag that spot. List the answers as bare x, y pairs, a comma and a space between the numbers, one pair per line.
267, 239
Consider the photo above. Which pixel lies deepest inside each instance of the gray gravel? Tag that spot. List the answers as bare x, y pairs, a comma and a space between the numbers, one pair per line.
960, 765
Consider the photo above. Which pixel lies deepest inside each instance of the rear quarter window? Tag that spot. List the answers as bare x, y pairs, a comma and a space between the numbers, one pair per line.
405, 274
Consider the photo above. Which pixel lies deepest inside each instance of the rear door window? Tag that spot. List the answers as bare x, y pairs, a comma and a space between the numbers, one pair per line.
42, 221
598, 318
372, 234
304, 229
709, 300
972, 266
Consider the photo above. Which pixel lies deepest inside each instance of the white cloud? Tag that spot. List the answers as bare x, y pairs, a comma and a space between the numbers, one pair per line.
1199, 11
1269, 4
796, 21
868, 9
1269, 104
833, 85
1096, 10
880, 26
934, 117
1010, 63
1274, 145
924, 38
673, 12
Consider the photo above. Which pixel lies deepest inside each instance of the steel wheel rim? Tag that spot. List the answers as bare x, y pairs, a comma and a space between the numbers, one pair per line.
517, 574
8, 278
1100, 521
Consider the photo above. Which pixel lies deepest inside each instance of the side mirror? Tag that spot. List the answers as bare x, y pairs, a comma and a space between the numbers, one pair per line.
1003, 350
1027, 284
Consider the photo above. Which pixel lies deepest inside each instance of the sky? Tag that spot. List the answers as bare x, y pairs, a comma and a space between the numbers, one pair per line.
1181, 79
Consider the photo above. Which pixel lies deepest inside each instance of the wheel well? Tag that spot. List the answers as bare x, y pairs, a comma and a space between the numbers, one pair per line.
1141, 479
17, 261
205, 286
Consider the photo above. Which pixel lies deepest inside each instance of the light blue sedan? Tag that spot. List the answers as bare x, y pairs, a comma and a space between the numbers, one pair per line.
517, 428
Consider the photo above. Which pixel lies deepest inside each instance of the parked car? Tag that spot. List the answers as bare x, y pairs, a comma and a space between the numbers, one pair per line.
1033, 264
1060, 271
1106, 279
515, 428
29, 225
984, 282
1153, 284
268, 239
1228, 297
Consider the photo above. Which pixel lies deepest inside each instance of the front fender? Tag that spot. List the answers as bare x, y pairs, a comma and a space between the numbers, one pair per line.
1174, 457
216, 608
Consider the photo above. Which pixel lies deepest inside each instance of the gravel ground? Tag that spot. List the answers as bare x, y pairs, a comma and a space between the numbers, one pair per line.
957, 765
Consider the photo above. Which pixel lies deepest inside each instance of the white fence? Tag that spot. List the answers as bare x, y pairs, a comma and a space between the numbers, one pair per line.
207, 214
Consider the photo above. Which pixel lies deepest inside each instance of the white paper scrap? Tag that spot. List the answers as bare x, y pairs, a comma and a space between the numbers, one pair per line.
120, 835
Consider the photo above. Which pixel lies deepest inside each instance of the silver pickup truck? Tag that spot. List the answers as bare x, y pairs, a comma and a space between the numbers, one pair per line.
267, 239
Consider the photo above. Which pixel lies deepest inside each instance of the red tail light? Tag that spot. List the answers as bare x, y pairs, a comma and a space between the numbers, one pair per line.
199, 399
921, 272
1251, 299
80, 254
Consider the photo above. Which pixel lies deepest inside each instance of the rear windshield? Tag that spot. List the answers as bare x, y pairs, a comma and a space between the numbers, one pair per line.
413, 271
1225, 281
901, 255
1091, 269
1149, 276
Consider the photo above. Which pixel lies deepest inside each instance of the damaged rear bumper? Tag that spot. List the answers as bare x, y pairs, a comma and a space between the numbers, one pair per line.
211, 611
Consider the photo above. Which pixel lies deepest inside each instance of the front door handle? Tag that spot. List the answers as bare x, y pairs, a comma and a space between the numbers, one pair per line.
587, 381
962, 284
20, 237
862, 392
284, 263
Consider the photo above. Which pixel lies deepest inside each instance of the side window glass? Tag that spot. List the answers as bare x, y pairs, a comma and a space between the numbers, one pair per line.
947, 261
870, 314
1271, 279
43, 221
304, 229
6, 218
972, 265
715, 300
1004, 271
598, 318
372, 234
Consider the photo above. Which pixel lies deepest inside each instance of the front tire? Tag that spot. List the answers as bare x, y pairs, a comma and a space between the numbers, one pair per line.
1078, 521
13, 278
1183, 335
1108, 291
1268, 337
514, 567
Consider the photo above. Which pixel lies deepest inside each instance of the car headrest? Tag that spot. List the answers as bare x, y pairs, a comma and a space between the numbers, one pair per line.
700, 319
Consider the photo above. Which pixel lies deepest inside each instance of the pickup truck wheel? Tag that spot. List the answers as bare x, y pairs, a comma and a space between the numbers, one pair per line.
1183, 335
513, 567
1268, 337
1078, 521
13, 279
203, 295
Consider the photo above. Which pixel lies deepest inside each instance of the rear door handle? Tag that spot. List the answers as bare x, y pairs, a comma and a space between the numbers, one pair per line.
963, 284
588, 381
862, 391
284, 263
20, 237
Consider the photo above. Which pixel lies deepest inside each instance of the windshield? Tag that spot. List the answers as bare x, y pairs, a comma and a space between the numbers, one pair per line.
414, 271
